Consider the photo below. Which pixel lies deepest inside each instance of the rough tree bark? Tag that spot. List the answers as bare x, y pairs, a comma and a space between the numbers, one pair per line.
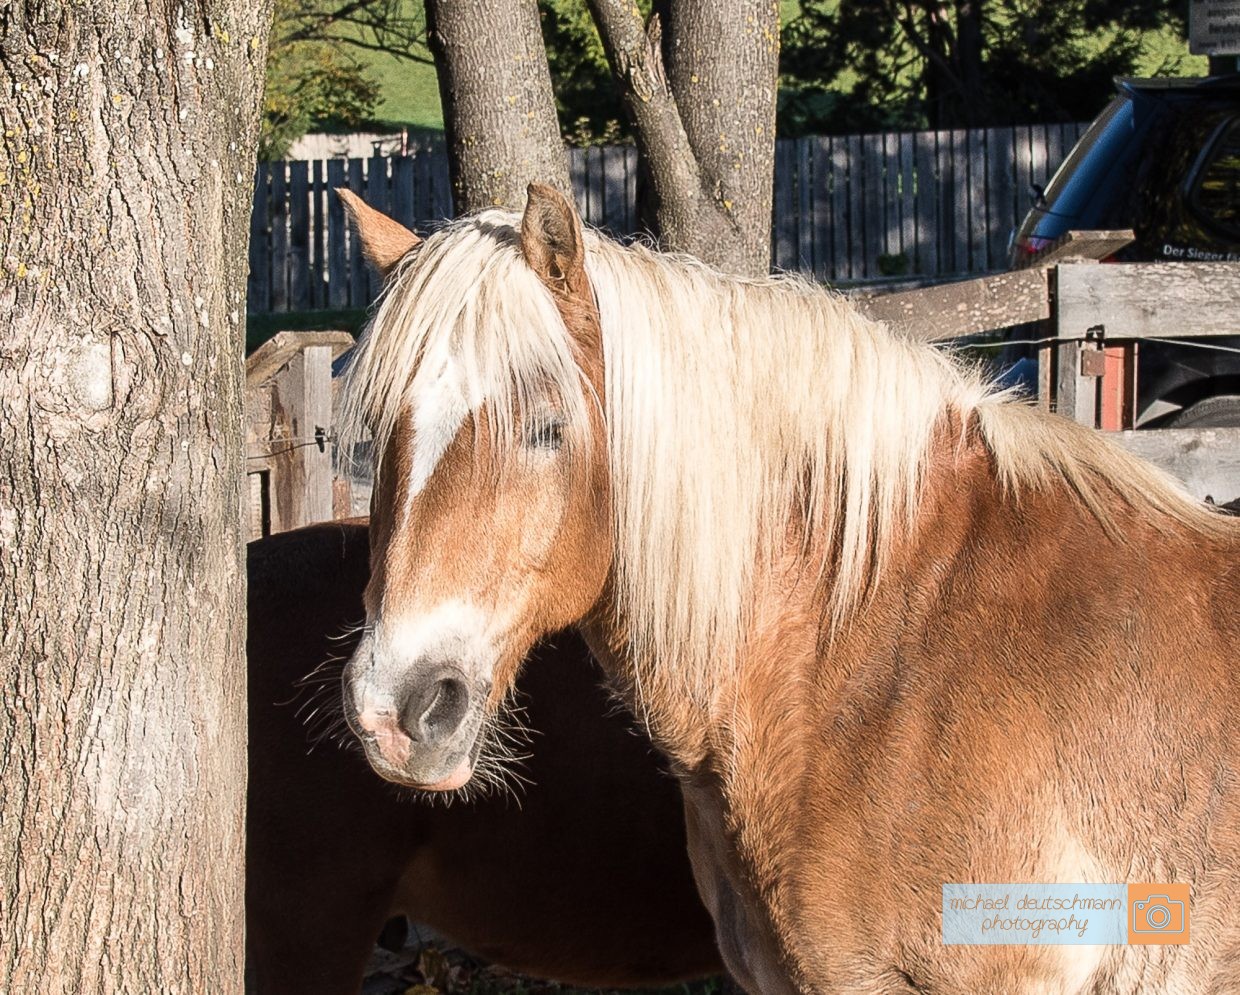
126, 167
499, 108
723, 66
706, 128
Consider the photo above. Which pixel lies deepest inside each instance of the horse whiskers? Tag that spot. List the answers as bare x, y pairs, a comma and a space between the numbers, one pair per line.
355, 629
320, 706
497, 766
504, 741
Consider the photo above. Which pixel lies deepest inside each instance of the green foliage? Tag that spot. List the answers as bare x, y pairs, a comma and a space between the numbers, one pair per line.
332, 62
586, 98
855, 65
312, 88
310, 83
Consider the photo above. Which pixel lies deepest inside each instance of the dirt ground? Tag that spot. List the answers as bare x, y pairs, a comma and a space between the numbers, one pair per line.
431, 968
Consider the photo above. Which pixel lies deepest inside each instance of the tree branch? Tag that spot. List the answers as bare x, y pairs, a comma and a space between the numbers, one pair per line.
926, 50
394, 36
633, 50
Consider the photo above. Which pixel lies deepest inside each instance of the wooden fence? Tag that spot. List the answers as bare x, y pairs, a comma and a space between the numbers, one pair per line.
1091, 319
846, 208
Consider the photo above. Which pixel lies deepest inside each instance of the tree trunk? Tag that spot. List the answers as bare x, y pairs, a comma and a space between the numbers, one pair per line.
723, 65
970, 51
709, 139
126, 172
499, 108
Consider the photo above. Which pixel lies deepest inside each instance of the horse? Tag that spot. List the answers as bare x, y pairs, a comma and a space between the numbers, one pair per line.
891, 627
576, 872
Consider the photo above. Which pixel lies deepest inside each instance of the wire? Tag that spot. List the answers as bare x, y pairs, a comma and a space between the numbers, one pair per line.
1002, 343
320, 439
1194, 345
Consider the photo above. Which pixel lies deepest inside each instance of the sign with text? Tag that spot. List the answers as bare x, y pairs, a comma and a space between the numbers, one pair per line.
1214, 27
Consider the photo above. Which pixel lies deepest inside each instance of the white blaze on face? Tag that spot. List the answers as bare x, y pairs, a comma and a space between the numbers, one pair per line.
453, 632
440, 407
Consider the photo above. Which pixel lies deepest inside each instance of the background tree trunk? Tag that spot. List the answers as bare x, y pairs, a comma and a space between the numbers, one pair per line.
970, 50
723, 66
126, 170
499, 108
706, 129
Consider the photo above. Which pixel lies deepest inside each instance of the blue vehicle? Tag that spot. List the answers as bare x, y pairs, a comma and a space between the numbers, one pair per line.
1163, 159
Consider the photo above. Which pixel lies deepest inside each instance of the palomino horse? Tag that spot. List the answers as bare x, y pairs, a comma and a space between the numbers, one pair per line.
892, 629
579, 874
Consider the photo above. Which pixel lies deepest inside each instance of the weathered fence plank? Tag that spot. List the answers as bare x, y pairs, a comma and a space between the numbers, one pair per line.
258, 290
805, 185
402, 191
441, 186
961, 201
278, 212
318, 275
337, 260
299, 236
784, 228
842, 238
1149, 300
978, 250
820, 220
422, 188
1207, 460
908, 200
379, 196
577, 176
872, 203
950, 310
357, 268
925, 156
1000, 199
615, 213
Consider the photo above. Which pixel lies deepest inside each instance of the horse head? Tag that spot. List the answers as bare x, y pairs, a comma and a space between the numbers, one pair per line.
480, 382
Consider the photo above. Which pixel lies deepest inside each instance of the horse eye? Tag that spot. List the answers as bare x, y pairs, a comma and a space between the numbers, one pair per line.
545, 435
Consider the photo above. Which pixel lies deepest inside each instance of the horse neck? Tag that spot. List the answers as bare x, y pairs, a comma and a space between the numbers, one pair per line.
786, 647
659, 698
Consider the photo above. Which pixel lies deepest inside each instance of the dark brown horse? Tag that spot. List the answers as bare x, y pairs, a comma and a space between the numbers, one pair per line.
582, 877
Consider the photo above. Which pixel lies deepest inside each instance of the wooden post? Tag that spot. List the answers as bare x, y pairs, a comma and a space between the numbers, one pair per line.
1118, 391
1079, 368
303, 391
289, 428
1118, 305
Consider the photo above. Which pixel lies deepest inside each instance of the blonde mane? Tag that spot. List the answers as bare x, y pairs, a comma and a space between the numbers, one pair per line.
731, 404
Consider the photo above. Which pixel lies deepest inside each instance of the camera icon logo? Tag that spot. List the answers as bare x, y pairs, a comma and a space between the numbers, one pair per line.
1158, 913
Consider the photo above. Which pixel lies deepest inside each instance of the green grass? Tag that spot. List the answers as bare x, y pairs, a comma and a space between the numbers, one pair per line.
408, 88
408, 92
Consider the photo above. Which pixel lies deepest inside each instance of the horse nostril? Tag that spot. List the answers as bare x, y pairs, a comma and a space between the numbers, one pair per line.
435, 715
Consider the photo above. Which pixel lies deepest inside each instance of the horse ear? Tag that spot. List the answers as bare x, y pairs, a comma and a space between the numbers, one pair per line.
551, 239
384, 242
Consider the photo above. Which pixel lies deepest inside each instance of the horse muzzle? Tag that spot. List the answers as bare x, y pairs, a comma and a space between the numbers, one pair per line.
422, 733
